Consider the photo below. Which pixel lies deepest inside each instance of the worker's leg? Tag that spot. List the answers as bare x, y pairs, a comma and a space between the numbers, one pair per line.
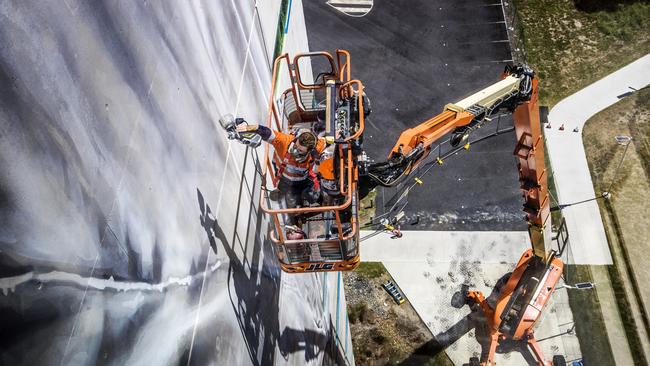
309, 195
284, 189
292, 192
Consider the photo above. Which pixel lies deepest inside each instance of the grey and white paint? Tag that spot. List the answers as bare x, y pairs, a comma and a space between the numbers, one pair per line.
130, 232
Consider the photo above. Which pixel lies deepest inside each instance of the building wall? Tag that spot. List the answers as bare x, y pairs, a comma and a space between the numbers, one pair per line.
130, 230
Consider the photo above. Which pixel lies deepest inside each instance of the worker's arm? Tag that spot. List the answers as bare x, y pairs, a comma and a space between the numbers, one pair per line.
279, 140
267, 134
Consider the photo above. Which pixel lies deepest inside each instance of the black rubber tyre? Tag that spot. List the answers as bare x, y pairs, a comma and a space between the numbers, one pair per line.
558, 360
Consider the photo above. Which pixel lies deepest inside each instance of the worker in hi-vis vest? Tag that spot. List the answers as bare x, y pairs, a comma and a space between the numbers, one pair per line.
297, 153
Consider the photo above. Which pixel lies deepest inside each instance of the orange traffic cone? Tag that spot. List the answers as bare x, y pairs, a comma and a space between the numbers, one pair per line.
562, 127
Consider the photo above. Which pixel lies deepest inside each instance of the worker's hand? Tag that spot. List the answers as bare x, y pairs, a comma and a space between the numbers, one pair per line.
247, 127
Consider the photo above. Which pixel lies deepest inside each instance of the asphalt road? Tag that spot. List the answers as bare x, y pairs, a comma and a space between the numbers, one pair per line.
414, 57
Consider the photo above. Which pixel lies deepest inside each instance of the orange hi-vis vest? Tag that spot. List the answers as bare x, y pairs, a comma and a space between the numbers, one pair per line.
326, 172
326, 164
290, 169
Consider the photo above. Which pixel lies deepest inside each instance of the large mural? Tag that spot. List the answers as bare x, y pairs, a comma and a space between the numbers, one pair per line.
130, 232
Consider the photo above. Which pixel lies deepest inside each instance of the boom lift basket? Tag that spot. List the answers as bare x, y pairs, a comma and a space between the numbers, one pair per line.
331, 242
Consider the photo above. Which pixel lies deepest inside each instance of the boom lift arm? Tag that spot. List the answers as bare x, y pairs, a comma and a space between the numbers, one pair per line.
460, 118
531, 284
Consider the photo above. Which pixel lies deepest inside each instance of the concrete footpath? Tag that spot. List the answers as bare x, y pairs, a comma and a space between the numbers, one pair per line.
566, 152
588, 243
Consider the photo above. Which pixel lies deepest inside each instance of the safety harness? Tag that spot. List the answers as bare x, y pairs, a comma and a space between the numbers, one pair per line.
313, 155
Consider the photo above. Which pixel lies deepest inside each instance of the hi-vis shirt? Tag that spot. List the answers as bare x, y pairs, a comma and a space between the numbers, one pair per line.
293, 171
326, 170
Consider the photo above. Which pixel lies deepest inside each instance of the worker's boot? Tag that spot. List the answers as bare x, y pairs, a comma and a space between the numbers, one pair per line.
275, 195
294, 232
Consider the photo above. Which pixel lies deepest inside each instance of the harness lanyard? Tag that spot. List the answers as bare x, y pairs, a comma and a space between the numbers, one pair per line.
283, 165
314, 179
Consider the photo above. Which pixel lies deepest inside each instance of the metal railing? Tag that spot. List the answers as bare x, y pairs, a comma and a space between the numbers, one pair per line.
515, 31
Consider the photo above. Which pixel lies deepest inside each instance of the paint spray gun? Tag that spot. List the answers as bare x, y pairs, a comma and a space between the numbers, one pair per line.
230, 123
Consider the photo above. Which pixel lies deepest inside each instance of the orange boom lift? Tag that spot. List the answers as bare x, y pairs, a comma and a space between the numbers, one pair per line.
338, 104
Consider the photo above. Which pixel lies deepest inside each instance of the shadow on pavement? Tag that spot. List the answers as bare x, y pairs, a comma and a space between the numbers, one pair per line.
474, 320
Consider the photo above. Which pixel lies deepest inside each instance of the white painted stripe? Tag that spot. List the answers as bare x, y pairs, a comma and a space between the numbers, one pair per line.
481, 42
468, 24
58, 278
351, 2
353, 10
295, 169
294, 179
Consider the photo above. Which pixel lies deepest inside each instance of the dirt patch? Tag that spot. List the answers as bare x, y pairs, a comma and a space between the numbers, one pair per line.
367, 208
383, 332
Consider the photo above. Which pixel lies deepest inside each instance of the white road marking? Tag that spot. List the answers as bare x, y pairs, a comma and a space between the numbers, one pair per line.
351, 2
353, 8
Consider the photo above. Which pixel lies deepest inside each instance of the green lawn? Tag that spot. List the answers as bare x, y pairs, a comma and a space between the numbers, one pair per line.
625, 228
589, 322
570, 47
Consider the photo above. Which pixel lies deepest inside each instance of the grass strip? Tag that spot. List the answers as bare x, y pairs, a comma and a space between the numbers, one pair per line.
622, 301
588, 319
